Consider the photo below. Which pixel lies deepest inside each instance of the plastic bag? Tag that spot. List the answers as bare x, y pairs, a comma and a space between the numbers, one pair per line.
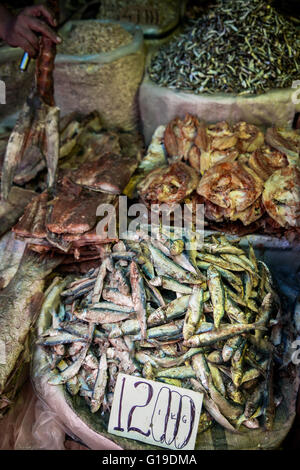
107, 82
29, 425
54, 398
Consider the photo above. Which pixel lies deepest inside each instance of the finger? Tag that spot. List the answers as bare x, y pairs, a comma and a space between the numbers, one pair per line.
31, 37
24, 44
43, 28
42, 10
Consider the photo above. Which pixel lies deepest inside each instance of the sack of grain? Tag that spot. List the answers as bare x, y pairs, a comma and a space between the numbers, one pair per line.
156, 18
17, 83
100, 66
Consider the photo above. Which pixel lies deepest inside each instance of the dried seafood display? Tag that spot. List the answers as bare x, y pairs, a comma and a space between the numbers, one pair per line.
281, 196
66, 223
29, 171
207, 319
33, 144
247, 181
95, 165
237, 46
20, 305
171, 184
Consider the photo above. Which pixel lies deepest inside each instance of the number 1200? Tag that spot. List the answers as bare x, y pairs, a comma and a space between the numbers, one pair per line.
172, 418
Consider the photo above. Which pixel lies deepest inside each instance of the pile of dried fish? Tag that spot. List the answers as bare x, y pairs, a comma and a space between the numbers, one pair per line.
238, 46
245, 178
207, 319
95, 165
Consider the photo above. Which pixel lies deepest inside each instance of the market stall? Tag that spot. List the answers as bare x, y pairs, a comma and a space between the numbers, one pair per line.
150, 230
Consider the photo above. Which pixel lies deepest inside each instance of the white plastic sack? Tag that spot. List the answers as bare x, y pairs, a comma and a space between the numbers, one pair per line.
159, 105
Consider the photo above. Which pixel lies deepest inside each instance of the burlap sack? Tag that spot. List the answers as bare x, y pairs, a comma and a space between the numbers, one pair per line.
159, 105
105, 82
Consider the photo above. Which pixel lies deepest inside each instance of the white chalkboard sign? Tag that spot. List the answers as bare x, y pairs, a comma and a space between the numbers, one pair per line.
155, 413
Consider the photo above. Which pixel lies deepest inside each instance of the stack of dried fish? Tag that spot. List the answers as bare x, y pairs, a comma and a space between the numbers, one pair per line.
18, 198
248, 181
207, 319
238, 46
95, 165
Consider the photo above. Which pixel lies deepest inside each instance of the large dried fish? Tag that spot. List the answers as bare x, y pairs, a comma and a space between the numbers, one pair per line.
11, 252
20, 305
12, 208
74, 209
110, 173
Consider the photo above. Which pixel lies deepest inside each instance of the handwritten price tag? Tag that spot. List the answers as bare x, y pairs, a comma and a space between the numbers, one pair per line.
155, 413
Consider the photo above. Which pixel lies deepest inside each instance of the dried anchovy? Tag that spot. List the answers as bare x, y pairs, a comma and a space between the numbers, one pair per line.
183, 342
238, 46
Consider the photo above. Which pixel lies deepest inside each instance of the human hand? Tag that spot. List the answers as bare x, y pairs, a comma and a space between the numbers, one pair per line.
20, 30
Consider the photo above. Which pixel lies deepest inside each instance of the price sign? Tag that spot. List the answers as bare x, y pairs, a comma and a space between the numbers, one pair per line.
155, 413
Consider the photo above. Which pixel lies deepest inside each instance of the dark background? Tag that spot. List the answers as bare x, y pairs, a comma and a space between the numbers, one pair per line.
287, 7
